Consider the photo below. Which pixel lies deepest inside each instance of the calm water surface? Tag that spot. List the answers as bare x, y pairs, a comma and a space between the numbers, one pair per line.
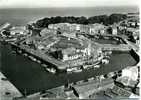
29, 75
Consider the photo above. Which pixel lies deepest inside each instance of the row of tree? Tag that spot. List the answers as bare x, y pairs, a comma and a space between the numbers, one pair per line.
105, 19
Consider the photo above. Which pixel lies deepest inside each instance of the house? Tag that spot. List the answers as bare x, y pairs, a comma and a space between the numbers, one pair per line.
71, 54
129, 76
97, 29
84, 90
47, 32
18, 30
114, 31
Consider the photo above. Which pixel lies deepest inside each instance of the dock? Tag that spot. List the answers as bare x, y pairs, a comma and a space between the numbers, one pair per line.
37, 54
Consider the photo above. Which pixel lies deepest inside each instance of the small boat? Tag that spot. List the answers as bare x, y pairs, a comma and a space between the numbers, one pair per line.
47, 69
70, 70
90, 79
90, 66
19, 51
25, 54
13, 52
78, 71
97, 66
32, 58
52, 70
44, 65
38, 61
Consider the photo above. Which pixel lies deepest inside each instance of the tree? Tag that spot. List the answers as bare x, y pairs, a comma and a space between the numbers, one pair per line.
106, 20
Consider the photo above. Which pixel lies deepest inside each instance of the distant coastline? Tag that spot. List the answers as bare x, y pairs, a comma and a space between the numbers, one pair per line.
133, 6
22, 16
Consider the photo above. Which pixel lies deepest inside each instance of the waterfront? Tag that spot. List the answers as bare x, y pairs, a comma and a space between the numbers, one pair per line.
7, 90
30, 77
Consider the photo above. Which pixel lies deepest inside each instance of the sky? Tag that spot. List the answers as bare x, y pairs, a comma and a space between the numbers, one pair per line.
65, 3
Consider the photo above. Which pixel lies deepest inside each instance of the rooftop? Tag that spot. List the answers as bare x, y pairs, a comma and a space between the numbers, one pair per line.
88, 88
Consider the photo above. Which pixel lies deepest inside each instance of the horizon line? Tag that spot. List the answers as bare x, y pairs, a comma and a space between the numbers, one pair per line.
72, 7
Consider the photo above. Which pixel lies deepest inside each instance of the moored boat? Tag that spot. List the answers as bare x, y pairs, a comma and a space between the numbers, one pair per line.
13, 52
25, 54
38, 61
78, 70
96, 66
52, 70
32, 58
44, 65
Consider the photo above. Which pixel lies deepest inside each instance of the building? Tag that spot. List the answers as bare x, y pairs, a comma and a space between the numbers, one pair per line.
118, 92
92, 29
54, 93
135, 33
84, 90
71, 54
114, 31
84, 28
97, 29
129, 76
69, 34
62, 26
48, 32
18, 30
76, 50
74, 27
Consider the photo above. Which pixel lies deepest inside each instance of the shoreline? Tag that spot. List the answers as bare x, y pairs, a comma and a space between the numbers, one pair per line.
31, 14
7, 90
